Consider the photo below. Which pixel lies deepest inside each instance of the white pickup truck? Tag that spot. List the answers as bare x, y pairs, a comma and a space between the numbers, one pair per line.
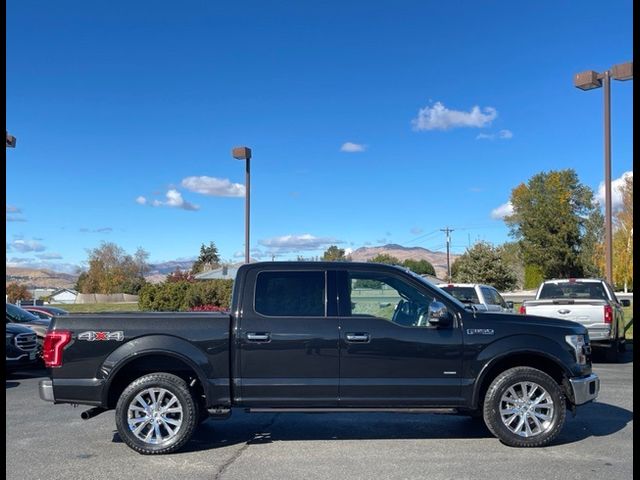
591, 302
482, 297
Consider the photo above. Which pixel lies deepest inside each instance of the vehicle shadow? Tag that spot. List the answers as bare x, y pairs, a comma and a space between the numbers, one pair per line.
9, 384
25, 374
596, 419
599, 355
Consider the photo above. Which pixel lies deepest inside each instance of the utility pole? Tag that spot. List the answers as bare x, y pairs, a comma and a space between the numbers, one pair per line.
448, 230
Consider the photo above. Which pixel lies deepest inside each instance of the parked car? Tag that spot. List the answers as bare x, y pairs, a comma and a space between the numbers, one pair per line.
482, 297
16, 314
321, 337
588, 301
44, 312
21, 348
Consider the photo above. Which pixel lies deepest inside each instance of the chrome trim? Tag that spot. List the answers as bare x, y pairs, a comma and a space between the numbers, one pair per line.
27, 342
45, 388
581, 386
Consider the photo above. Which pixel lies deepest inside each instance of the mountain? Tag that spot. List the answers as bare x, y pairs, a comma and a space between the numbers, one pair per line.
40, 278
437, 259
159, 271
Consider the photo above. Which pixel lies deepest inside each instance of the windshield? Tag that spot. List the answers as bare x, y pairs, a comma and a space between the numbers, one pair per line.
464, 294
16, 314
585, 290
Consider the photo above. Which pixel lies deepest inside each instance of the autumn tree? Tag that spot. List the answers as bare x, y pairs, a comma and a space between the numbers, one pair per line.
16, 292
623, 238
385, 258
112, 270
335, 254
208, 259
483, 263
548, 221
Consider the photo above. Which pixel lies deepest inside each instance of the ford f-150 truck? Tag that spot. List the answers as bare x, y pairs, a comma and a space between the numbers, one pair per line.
591, 302
321, 337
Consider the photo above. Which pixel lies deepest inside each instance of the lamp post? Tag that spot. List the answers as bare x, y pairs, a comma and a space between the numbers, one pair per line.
11, 140
589, 80
244, 153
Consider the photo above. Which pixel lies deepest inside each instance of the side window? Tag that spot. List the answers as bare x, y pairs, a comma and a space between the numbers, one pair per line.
499, 300
487, 293
388, 297
290, 294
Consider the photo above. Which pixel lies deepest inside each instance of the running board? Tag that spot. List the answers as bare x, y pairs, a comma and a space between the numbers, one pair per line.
349, 410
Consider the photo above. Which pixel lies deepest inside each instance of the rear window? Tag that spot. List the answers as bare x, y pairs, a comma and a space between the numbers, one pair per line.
290, 294
585, 290
464, 294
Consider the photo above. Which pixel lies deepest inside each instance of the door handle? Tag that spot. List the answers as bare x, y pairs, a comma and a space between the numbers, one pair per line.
358, 337
261, 337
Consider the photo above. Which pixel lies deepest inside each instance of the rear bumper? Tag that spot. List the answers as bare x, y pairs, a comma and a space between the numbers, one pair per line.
45, 388
585, 389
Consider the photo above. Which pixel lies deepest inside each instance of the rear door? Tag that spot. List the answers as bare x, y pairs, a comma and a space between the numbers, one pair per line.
288, 339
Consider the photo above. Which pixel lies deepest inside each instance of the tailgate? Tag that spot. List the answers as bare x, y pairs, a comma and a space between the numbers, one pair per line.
587, 312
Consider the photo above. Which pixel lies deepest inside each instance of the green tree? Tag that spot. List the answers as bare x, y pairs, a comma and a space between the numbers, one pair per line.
623, 238
335, 254
483, 263
16, 292
386, 258
591, 252
548, 221
208, 259
421, 267
512, 258
112, 270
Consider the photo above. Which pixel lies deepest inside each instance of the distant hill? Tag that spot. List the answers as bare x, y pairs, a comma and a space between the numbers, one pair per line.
39, 278
437, 259
159, 271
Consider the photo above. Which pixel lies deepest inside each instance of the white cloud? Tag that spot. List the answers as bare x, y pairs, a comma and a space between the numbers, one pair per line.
350, 147
141, 200
13, 209
24, 246
348, 251
215, 187
33, 263
49, 256
616, 193
97, 230
416, 230
297, 243
502, 134
174, 200
439, 117
506, 134
502, 211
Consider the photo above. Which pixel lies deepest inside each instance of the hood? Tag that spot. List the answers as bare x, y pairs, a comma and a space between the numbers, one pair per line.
16, 328
533, 321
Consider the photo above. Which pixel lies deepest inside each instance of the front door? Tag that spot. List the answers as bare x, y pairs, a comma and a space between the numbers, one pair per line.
389, 353
288, 339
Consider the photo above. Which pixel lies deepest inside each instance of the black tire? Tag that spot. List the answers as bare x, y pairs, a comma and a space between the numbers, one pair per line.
511, 378
189, 415
622, 346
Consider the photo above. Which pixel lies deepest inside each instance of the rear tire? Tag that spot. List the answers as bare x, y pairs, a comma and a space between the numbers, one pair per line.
156, 414
524, 407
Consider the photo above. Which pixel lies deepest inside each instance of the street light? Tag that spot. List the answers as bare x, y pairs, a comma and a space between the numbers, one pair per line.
244, 153
11, 140
589, 80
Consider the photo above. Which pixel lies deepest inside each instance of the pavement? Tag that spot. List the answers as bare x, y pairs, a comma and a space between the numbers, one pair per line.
45, 441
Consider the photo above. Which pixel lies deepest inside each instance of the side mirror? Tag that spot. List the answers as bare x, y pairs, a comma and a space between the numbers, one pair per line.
509, 305
438, 315
625, 302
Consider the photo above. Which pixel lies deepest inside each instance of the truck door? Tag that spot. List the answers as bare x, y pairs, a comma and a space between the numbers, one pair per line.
288, 339
389, 354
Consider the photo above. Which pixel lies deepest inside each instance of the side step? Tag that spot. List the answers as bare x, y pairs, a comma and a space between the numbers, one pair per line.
439, 410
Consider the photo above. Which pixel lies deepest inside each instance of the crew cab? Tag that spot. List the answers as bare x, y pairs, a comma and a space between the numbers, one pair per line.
591, 302
321, 337
482, 297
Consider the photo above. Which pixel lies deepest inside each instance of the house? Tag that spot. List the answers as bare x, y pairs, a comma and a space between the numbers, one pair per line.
226, 272
63, 295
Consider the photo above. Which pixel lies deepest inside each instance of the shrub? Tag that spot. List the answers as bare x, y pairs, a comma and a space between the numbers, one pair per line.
185, 295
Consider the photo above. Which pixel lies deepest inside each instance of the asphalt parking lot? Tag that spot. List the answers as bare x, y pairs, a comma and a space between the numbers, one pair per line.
47, 441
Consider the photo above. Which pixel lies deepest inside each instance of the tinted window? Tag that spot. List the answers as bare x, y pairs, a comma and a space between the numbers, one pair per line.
590, 290
492, 297
290, 294
464, 294
19, 315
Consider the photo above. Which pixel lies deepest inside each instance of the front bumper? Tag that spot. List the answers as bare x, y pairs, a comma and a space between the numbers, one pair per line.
45, 388
585, 389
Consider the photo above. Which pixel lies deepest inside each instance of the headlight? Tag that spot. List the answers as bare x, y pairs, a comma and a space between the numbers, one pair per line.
578, 343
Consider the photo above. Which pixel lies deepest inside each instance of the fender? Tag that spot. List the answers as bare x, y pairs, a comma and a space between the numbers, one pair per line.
516, 345
166, 345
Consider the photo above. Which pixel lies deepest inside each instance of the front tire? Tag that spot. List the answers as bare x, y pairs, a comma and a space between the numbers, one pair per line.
156, 414
524, 407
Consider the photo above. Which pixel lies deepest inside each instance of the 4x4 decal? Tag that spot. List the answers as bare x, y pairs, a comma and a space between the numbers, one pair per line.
101, 336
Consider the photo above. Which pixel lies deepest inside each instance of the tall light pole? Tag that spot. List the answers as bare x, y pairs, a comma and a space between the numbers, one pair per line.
11, 140
587, 81
244, 153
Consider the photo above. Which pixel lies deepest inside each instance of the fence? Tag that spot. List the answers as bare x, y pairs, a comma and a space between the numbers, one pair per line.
106, 298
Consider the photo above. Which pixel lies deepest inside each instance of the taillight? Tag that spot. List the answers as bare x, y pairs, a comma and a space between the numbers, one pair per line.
54, 343
608, 314
523, 310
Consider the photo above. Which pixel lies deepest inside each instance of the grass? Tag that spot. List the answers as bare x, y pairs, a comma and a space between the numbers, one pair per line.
98, 307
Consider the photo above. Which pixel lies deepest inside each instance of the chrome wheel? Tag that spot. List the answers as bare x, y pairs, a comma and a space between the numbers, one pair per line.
155, 415
526, 409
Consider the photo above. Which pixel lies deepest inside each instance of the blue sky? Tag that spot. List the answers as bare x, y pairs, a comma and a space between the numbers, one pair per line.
370, 122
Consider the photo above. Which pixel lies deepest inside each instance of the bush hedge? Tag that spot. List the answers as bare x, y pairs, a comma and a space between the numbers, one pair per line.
184, 296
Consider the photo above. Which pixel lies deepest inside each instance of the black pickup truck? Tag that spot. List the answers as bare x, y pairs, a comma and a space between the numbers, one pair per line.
321, 337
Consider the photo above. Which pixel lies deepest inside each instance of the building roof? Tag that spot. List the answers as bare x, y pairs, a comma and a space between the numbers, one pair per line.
61, 290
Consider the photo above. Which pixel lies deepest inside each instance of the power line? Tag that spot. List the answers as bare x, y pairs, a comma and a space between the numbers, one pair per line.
448, 231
